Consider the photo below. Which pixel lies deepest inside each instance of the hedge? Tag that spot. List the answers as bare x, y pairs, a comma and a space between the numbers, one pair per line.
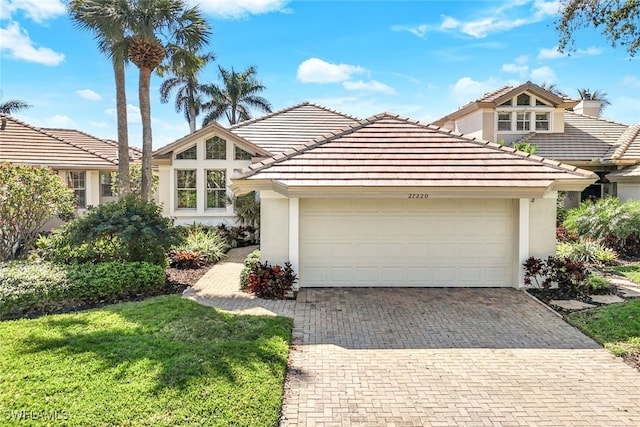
27, 287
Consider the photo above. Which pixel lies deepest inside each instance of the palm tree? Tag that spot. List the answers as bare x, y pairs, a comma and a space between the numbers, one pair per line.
180, 28
596, 95
552, 87
106, 20
235, 97
13, 106
185, 66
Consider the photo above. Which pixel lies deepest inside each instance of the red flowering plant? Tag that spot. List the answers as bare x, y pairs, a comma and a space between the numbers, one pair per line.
271, 281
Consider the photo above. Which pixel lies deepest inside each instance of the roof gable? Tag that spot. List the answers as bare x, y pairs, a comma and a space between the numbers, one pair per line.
27, 144
292, 127
101, 146
202, 133
391, 151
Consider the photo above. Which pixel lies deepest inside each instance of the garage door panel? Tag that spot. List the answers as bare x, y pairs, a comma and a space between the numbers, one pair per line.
370, 242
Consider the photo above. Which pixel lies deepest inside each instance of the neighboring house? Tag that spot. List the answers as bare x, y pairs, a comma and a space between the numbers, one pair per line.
83, 161
565, 130
195, 171
390, 201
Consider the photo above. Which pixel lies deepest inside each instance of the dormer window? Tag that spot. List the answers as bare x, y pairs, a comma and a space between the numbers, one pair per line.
190, 153
523, 99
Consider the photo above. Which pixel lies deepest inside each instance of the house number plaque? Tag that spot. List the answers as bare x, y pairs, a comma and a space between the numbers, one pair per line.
418, 196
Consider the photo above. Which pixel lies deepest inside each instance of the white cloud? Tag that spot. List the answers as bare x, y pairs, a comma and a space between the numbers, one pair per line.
133, 113
16, 42
466, 89
631, 81
88, 94
99, 125
370, 86
590, 51
59, 121
542, 8
315, 70
519, 66
544, 74
241, 8
552, 53
37, 10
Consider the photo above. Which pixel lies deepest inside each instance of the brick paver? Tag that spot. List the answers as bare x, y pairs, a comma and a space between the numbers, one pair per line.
414, 357
220, 288
434, 357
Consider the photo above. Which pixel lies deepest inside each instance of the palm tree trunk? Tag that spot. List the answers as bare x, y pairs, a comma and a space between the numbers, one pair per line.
124, 180
145, 115
192, 110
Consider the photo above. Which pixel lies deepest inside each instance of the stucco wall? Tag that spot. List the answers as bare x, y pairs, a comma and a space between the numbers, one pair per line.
274, 228
542, 227
627, 190
471, 125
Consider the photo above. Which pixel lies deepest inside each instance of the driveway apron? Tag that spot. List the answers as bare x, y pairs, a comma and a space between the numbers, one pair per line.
440, 356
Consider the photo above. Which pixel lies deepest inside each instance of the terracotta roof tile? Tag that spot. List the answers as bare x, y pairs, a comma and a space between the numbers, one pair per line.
387, 150
629, 141
629, 172
23, 143
292, 127
105, 147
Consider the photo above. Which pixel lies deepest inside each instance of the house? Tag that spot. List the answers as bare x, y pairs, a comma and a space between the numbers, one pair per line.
195, 171
390, 201
83, 161
569, 131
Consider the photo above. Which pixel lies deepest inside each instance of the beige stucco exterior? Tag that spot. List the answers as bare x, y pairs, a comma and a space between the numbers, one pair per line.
629, 190
532, 225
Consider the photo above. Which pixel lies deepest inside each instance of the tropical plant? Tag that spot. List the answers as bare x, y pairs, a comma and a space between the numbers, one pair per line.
247, 209
596, 95
618, 20
207, 242
13, 106
135, 176
155, 28
586, 250
30, 196
250, 263
107, 19
271, 281
610, 221
551, 87
235, 97
184, 68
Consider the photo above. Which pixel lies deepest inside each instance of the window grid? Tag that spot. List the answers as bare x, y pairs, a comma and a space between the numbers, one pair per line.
216, 189
188, 154
77, 182
240, 154
216, 149
106, 189
504, 121
542, 121
523, 99
523, 121
186, 188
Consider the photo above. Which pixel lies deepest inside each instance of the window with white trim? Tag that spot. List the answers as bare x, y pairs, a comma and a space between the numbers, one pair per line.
216, 189
504, 121
523, 99
216, 149
240, 154
542, 121
186, 189
190, 153
106, 189
523, 121
77, 181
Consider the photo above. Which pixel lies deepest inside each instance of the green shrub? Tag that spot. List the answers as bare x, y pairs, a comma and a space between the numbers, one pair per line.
271, 281
587, 251
206, 242
128, 230
614, 223
57, 248
596, 284
29, 197
42, 287
251, 262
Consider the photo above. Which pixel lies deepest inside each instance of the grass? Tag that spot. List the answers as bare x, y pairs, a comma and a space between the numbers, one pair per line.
165, 361
616, 326
631, 272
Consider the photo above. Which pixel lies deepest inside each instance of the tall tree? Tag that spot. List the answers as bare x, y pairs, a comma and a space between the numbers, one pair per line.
106, 19
235, 97
184, 68
551, 87
596, 95
618, 20
157, 27
13, 106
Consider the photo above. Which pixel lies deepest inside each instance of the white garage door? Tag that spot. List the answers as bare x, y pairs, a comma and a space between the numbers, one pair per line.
406, 242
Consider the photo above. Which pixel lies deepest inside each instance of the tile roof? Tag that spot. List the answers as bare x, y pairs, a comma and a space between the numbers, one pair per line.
23, 143
584, 138
391, 151
628, 172
292, 127
629, 144
101, 146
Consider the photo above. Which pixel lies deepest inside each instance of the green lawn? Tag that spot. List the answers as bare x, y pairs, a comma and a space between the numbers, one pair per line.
631, 272
165, 361
616, 326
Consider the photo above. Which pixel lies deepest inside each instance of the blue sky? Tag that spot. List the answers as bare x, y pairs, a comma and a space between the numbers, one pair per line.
421, 59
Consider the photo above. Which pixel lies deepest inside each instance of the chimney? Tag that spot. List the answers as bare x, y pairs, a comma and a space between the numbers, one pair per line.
588, 106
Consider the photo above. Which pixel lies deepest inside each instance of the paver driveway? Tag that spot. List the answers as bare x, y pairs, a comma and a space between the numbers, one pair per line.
448, 357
